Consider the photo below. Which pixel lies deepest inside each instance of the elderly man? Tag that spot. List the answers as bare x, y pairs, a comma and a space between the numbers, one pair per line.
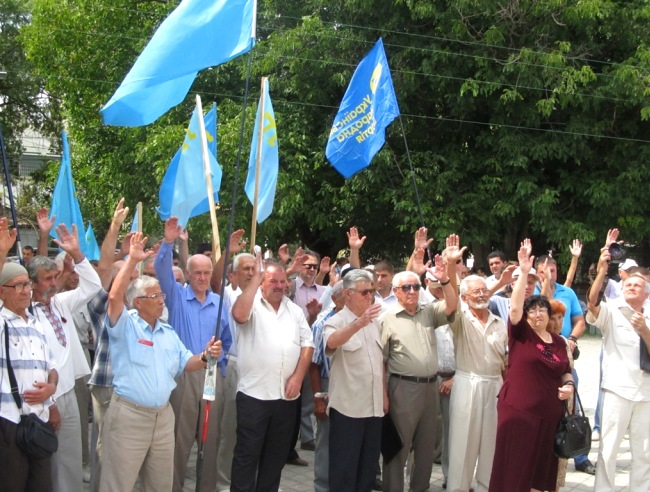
357, 396
274, 347
626, 387
54, 311
480, 339
412, 363
319, 377
193, 312
146, 357
36, 378
244, 267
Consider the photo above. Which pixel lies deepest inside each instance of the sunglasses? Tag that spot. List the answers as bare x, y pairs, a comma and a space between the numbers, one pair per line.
408, 287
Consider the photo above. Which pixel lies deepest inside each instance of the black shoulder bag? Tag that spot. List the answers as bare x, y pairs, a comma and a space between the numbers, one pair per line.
573, 436
36, 438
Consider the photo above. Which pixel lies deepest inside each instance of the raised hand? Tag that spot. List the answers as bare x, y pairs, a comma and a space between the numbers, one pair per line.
417, 263
453, 250
120, 213
126, 244
236, 242
612, 237
136, 250
324, 267
7, 237
69, 241
283, 254
184, 236
526, 261
369, 314
172, 230
45, 224
354, 241
421, 240
313, 308
576, 248
439, 271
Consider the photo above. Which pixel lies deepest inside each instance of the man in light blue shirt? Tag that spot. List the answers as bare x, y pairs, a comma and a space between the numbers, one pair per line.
146, 356
193, 312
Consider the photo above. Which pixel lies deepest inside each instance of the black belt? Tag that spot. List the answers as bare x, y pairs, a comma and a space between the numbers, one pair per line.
447, 375
416, 379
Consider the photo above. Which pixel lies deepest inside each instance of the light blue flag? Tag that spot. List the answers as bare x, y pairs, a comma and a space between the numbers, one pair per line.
134, 224
183, 193
269, 163
198, 34
368, 107
64, 199
92, 251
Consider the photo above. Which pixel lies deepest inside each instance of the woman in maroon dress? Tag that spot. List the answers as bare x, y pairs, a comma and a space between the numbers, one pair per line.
530, 406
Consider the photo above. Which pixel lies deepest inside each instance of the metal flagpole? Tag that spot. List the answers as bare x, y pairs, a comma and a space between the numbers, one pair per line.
5, 164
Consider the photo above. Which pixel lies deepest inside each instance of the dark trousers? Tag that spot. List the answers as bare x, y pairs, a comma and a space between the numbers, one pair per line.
264, 430
19, 472
355, 444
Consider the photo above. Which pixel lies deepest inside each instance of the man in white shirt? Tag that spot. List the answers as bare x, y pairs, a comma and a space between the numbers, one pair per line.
274, 347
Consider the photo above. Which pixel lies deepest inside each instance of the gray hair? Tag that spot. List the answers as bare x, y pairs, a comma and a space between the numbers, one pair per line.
634, 275
39, 263
238, 258
405, 275
139, 287
351, 278
180, 270
470, 278
337, 289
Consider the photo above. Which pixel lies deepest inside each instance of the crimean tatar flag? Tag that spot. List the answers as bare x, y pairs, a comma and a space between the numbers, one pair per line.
269, 161
183, 192
65, 205
198, 34
368, 107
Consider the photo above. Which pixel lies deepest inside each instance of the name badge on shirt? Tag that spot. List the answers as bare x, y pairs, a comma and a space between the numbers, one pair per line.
148, 343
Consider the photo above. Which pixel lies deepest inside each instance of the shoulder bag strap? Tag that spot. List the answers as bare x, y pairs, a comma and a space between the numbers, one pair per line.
12, 376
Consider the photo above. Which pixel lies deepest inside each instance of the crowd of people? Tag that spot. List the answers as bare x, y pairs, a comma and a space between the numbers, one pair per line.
381, 373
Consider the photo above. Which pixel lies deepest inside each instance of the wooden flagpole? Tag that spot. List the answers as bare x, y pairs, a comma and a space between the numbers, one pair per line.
216, 245
258, 163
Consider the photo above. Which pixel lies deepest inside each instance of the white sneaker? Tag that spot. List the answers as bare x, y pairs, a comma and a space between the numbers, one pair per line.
86, 475
595, 436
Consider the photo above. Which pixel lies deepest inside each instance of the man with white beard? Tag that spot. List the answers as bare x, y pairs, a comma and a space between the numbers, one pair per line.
480, 339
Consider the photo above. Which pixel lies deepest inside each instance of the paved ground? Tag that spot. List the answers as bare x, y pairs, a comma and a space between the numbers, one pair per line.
300, 479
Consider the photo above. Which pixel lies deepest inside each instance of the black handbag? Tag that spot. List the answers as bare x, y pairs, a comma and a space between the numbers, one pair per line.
573, 436
36, 438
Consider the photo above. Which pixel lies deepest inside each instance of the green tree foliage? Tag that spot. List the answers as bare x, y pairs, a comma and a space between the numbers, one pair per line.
526, 118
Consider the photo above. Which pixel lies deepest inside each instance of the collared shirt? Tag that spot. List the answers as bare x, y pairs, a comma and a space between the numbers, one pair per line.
194, 322
389, 301
500, 306
409, 340
31, 361
71, 362
357, 370
269, 346
305, 293
319, 358
145, 361
102, 373
621, 368
445, 346
480, 349
229, 298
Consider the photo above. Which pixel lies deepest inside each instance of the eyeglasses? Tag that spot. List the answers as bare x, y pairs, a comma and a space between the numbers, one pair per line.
478, 292
365, 292
20, 286
408, 287
310, 266
162, 296
541, 310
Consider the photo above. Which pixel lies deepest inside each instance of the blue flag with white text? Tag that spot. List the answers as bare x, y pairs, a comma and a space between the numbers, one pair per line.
65, 205
198, 34
92, 251
368, 107
183, 193
269, 161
